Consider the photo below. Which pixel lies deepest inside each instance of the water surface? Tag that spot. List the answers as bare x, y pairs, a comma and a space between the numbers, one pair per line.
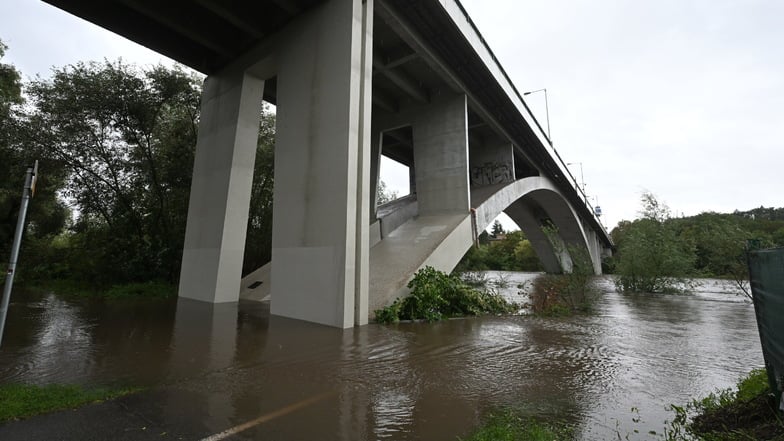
225, 365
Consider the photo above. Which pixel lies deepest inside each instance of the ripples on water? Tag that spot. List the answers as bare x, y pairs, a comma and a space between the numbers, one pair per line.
229, 364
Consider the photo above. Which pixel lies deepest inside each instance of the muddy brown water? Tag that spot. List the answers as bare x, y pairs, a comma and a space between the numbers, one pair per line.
228, 365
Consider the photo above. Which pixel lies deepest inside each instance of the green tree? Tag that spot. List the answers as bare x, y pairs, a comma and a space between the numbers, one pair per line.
512, 253
651, 257
497, 229
383, 194
258, 248
10, 170
46, 215
125, 139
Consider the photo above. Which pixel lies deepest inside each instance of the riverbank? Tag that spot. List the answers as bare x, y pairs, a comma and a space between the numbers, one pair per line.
745, 413
19, 401
78, 288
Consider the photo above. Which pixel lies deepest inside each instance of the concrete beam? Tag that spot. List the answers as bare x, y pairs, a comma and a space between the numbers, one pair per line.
396, 62
401, 80
163, 15
221, 186
291, 6
227, 14
382, 100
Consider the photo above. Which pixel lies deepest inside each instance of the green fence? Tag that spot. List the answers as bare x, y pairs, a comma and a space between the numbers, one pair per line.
766, 270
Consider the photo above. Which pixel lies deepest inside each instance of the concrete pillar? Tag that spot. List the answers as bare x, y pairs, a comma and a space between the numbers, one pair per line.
375, 171
441, 156
319, 244
220, 191
491, 164
522, 214
365, 196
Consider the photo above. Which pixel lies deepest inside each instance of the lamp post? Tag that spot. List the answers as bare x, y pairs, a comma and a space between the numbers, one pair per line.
582, 178
546, 110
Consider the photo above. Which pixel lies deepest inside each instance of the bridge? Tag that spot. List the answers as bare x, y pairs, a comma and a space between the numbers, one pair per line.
352, 80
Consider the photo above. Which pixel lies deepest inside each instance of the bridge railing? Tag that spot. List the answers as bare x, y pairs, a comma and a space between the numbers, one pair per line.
541, 132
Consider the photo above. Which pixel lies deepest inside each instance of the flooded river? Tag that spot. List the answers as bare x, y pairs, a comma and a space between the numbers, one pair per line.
221, 367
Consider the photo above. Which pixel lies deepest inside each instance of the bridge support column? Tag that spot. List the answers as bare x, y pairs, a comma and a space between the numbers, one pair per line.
441, 156
221, 186
322, 157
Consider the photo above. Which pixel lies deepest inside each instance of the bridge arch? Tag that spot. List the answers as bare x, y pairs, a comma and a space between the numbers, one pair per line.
533, 203
441, 241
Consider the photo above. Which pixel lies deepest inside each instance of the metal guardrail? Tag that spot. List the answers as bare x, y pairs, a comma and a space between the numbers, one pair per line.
560, 162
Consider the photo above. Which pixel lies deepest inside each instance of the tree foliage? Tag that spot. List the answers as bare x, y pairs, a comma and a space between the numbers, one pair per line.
651, 258
512, 253
47, 216
658, 249
383, 194
125, 139
116, 145
258, 249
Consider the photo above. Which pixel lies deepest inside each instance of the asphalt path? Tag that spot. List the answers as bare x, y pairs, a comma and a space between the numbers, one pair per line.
140, 416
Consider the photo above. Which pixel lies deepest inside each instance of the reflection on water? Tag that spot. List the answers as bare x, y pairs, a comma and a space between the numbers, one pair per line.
217, 367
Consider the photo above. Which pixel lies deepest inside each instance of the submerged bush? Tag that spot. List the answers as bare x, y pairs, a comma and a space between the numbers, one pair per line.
570, 292
562, 294
436, 295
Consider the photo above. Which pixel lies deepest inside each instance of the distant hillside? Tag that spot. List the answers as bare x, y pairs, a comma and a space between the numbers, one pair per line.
773, 214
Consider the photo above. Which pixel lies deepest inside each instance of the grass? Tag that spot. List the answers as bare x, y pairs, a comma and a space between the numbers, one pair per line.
508, 426
18, 401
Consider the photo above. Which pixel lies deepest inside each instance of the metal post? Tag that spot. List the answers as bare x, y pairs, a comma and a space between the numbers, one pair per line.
27, 193
582, 177
546, 111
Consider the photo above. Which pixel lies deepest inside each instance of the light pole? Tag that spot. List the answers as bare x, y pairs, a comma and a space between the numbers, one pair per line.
546, 110
582, 178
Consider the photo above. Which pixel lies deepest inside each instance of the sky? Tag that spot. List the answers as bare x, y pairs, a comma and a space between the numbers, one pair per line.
681, 98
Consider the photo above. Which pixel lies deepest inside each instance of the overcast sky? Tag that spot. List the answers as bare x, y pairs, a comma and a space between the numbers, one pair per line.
683, 98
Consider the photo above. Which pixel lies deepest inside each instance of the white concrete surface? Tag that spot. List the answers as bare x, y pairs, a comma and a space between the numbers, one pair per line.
321, 166
261, 293
441, 156
416, 243
220, 190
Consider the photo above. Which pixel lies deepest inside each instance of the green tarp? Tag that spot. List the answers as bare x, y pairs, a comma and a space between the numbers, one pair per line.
766, 271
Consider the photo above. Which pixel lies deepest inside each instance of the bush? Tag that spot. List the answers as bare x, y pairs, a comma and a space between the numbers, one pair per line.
573, 291
743, 414
436, 295
562, 295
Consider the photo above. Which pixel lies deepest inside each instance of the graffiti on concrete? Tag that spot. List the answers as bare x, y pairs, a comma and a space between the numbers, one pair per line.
491, 173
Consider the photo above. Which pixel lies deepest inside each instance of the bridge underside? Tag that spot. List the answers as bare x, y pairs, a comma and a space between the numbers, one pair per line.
352, 80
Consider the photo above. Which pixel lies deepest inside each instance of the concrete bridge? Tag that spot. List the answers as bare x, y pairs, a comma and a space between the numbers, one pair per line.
352, 80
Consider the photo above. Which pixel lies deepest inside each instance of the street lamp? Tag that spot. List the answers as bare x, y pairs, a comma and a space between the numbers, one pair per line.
582, 179
546, 109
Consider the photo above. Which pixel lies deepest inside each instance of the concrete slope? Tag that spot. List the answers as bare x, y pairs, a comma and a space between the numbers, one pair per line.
256, 285
438, 241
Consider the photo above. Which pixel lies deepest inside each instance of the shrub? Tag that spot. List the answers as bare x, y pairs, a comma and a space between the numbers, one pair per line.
436, 295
